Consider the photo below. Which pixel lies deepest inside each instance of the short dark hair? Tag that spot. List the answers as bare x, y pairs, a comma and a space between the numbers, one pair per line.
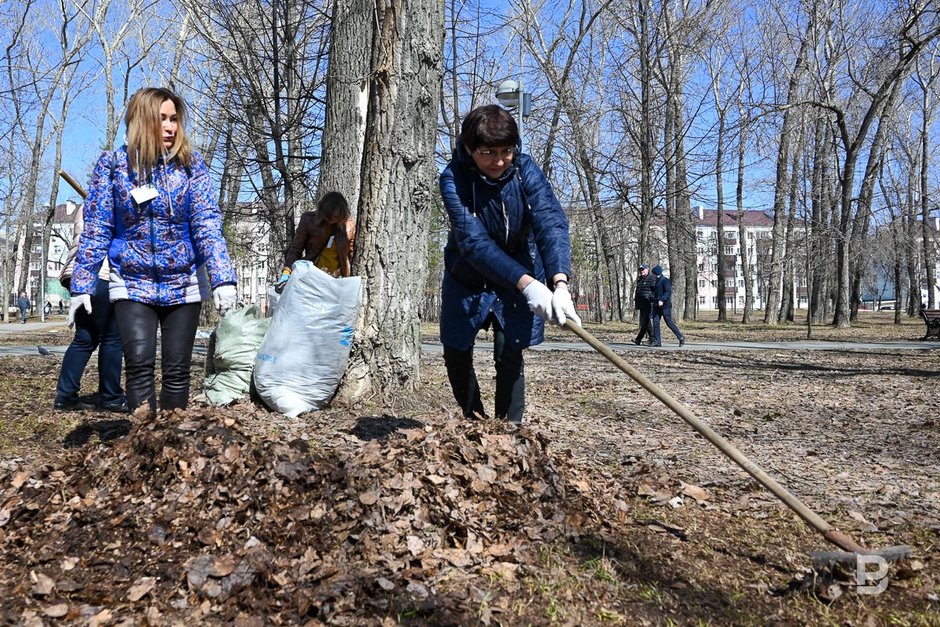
489, 125
333, 203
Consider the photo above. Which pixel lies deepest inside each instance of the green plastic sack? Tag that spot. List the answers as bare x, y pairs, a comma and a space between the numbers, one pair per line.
230, 361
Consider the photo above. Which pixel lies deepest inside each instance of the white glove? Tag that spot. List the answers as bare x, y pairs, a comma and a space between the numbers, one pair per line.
563, 307
224, 298
77, 302
539, 299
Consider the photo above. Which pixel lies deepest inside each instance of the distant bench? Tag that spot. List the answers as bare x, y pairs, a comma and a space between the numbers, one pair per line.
932, 320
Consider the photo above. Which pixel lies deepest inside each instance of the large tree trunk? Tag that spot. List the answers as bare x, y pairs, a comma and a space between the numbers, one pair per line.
788, 295
347, 99
687, 276
398, 189
911, 233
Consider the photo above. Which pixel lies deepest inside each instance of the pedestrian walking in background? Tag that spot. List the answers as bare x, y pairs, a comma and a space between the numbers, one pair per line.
152, 212
508, 238
23, 304
95, 329
643, 296
662, 307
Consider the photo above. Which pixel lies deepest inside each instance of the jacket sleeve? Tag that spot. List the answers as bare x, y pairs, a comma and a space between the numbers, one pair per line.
205, 225
548, 219
475, 244
664, 290
68, 264
98, 230
296, 249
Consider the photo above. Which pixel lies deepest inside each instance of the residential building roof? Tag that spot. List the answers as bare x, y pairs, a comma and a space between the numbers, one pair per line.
709, 217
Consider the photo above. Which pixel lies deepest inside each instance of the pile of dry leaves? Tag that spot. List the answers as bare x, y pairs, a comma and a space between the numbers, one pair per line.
186, 516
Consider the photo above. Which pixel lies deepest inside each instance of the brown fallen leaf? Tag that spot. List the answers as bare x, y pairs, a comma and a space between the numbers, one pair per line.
369, 497
104, 617
43, 585
19, 479
56, 610
223, 566
141, 588
699, 494
867, 525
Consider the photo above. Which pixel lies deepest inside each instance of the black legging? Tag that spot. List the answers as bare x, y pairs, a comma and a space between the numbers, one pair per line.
510, 379
138, 324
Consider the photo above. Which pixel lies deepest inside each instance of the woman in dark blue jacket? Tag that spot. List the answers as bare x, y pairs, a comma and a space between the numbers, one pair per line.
508, 233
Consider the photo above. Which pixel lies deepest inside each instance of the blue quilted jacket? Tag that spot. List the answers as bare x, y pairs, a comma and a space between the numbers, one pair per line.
159, 250
500, 230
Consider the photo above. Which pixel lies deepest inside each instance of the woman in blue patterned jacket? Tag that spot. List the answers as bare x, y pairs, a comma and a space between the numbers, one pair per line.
152, 212
508, 233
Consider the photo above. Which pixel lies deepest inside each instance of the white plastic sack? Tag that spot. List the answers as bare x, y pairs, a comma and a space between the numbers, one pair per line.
305, 351
237, 338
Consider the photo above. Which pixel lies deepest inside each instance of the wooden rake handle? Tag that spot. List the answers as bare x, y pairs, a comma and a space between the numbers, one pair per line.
813, 519
73, 183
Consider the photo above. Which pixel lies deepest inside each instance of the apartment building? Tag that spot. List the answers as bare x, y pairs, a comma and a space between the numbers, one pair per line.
758, 230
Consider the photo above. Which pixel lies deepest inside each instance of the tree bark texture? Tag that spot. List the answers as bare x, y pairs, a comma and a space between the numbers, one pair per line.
399, 182
347, 99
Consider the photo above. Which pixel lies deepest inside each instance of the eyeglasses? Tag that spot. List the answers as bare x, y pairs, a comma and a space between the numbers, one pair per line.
488, 153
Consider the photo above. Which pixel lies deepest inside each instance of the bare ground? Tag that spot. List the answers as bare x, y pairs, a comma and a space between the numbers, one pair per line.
605, 508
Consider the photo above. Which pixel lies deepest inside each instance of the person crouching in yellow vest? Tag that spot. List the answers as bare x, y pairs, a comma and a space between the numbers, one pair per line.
322, 237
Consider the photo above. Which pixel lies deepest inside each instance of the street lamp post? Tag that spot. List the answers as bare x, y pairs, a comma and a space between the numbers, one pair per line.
42, 268
511, 95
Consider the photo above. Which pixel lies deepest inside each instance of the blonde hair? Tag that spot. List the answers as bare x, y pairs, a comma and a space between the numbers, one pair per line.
145, 131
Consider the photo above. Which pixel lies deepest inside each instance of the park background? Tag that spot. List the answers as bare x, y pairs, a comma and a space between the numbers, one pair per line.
777, 157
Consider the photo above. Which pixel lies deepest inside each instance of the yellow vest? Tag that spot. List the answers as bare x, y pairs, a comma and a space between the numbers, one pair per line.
328, 261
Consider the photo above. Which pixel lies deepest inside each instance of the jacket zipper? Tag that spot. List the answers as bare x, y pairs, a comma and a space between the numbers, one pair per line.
153, 248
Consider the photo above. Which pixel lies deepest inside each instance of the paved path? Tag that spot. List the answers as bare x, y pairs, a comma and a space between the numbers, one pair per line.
433, 347
728, 346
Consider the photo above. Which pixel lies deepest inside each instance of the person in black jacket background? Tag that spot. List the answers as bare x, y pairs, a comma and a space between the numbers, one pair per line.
643, 297
662, 308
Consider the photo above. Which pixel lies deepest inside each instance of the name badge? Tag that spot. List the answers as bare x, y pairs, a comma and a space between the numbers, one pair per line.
144, 193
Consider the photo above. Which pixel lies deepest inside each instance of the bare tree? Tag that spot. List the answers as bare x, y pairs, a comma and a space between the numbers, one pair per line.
272, 58
720, 70
907, 32
114, 23
574, 43
34, 80
782, 182
926, 74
